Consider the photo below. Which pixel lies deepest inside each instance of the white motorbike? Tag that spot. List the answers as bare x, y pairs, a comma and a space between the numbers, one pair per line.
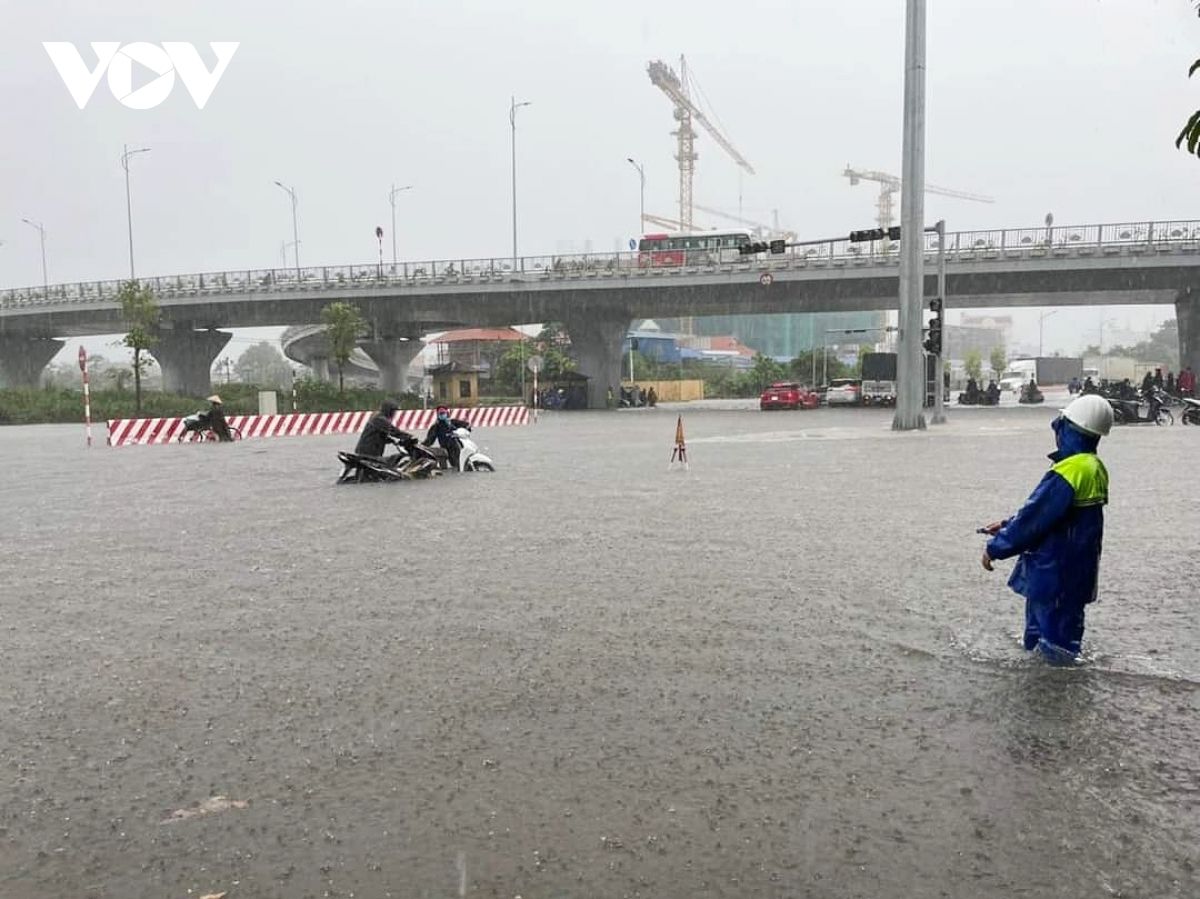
470, 457
1191, 411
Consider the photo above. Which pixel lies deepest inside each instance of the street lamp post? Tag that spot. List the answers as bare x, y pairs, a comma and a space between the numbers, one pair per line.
295, 228
642, 177
512, 121
127, 155
392, 194
41, 229
1041, 322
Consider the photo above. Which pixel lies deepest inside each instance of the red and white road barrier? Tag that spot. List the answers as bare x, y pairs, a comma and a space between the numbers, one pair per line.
144, 431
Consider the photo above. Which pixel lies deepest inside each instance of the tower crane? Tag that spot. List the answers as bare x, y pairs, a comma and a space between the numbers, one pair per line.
676, 88
889, 186
760, 227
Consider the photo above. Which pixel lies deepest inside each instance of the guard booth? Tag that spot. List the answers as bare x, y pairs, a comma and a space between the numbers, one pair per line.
456, 385
567, 391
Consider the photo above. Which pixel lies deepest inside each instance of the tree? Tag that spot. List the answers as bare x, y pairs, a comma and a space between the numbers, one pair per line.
343, 326
507, 372
139, 309
263, 364
766, 371
973, 363
1191, 131
998, 359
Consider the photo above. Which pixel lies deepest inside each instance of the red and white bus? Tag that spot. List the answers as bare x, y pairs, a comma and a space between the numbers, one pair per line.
695, 248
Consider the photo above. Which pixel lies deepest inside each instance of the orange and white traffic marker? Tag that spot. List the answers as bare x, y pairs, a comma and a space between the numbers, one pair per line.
679, 454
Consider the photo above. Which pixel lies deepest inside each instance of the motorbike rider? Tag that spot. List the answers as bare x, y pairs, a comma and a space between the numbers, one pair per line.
214, 419
993, 393
379, 429
442, 431
1058, 533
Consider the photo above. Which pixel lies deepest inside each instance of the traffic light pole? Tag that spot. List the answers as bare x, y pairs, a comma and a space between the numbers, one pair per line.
939, 376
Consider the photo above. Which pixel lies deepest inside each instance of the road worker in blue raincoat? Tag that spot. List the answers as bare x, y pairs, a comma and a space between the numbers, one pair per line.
1058, 533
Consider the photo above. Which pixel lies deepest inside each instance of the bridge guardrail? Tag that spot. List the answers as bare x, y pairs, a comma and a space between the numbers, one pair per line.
962, 245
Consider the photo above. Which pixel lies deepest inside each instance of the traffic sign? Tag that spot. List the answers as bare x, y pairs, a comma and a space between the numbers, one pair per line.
82, 358
766, 279
632, 244
535, 363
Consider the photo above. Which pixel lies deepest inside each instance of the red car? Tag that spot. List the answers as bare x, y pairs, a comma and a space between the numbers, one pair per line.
787, 395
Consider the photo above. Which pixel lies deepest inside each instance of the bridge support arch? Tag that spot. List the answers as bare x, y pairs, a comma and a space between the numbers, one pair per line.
186, 357
596, 342
1187, 316
22, 358
393, 356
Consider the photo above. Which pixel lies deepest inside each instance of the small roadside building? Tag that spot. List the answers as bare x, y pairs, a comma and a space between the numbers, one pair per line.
456, 384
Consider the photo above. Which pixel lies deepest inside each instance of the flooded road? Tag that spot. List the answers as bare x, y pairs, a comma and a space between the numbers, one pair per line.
782, 673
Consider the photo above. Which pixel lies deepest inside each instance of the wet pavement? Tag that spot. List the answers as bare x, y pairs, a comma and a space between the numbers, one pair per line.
782, 673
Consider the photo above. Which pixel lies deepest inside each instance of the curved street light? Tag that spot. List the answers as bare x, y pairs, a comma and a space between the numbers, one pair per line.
127, 155
295, 228
41, 229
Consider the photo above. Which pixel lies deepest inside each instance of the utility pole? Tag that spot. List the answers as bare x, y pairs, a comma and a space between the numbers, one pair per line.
911, 361
1041, 329
125, 157
392, 194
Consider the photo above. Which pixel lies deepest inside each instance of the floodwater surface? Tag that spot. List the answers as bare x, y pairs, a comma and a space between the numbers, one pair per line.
781, 673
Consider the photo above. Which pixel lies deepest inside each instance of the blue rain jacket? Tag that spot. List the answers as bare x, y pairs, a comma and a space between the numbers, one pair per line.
1058, 534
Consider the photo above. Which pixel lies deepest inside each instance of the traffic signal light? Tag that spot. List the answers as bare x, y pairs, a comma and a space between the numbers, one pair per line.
778, 246
749, 249
892, 233
933, 343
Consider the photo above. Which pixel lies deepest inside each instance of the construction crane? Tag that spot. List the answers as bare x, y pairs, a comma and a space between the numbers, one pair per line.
889, 186
676, 89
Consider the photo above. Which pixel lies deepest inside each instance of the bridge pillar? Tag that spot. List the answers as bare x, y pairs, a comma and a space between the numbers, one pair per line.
1187, 316
22, 358
596, 345
392, 355
321, 369
186, 357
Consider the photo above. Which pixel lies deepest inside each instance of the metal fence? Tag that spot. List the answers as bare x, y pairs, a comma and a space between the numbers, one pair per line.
1058, 240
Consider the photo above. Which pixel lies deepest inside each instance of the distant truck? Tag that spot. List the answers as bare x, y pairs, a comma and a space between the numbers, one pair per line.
1118, 368
1046, 370
879, 379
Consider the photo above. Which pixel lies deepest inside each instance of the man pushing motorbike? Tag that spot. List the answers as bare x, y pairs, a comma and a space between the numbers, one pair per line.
443, 432
374, 437
1058, 533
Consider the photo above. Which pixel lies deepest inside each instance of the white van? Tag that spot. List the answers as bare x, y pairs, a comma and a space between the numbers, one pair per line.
1019, 373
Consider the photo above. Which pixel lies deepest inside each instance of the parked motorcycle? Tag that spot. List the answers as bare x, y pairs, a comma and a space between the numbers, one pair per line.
1130, 412
411, 462
470, 457
1191, 411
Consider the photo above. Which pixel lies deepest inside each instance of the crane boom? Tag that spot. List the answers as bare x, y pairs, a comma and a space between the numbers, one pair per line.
665, 79
675, 87
759, 226
889, 186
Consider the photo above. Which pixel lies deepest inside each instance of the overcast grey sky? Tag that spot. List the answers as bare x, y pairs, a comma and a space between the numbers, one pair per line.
1069, 106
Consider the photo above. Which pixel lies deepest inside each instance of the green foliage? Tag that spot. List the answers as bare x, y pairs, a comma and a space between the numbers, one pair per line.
826, 365
264, 365
344, 324
998, 359
1162, 347
766, 371
506, 375
139, 310
973, 363
1191, 131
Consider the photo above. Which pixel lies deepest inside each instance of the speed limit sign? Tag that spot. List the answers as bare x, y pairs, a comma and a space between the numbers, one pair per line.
766, 279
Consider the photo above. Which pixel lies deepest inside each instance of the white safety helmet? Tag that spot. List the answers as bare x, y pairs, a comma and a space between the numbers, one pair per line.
1091, 414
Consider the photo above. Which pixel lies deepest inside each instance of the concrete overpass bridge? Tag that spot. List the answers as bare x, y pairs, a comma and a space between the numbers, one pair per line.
597, 295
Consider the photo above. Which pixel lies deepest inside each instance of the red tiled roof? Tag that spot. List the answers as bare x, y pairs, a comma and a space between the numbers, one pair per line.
484, 335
